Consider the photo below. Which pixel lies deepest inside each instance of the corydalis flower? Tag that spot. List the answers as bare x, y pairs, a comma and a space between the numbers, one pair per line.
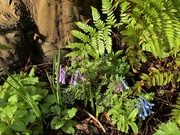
82, 77
62, 75
118, 87
124, 84
74, 79
144, 108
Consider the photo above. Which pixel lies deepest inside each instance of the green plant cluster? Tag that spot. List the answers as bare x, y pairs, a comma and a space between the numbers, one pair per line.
149, 47
17, 115
103, 69
26, 107
150, 35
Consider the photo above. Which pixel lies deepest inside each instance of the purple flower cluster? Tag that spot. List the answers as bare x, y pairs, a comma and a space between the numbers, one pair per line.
119, 87
62, 75
144, 107
73, 80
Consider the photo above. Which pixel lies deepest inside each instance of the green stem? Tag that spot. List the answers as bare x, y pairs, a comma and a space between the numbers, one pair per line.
91, 98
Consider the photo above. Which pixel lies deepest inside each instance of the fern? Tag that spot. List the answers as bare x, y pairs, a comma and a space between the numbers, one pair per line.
152, 26
157, 77
176, 111
95, 41
169, 128
151, 29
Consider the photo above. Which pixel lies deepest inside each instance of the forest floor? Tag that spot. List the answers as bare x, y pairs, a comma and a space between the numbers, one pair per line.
89, 125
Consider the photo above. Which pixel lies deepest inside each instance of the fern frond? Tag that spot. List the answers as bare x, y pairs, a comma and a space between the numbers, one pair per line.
155, 22
97, 41
83, 37
86, 28
108, 9
157, 77
77, 53
97, 19
76, 45
100, 40
169, 128
176, 111
107, 39
94, 43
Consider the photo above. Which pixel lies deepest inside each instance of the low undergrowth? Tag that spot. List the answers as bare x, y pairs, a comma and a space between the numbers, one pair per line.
124, 68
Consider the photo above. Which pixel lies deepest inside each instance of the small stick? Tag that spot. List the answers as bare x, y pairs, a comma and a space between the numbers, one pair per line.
96, 120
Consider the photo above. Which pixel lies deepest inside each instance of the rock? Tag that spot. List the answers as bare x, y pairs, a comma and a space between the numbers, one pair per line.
17, 29
36, 28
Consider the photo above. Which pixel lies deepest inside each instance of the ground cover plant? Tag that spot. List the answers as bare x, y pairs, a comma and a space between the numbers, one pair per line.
125, 66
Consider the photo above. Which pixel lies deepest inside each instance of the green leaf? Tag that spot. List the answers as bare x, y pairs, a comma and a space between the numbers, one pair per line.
72, 112
144, 77
3, 128
10, 110
13, 99
20, 113
32, 72
134, 127
30, 117
37, 97
86, 28
5, 47
133, 114
2, 94
68, 126
18, 125
49, 100
169, 128
119, 125
76, 45
56, 109
57, 123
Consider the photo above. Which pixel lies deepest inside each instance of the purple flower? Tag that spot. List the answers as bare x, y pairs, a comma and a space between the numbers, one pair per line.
74, 79
118, 87
124, 84
82, 77
62, 75
144, 108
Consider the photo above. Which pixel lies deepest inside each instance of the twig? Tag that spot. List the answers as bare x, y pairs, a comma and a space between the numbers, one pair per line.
96, 120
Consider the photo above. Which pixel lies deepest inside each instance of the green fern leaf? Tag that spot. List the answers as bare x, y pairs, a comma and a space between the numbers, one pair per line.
96, 18
176, 111
101, 43
86, 28
169, 128
76, 45
80, 36
108, 9
107, 39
